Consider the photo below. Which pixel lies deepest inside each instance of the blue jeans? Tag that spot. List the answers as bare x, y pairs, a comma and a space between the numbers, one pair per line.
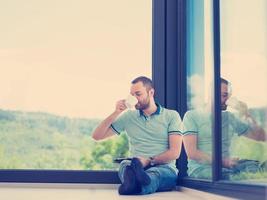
247, 166
163, 178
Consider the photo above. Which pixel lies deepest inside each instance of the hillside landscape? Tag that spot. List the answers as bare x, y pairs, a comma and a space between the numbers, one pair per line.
34, 140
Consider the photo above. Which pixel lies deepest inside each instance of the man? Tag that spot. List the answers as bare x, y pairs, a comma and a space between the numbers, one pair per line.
198, 137
154, 137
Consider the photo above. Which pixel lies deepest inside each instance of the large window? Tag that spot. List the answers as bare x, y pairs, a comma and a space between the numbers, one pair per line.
244, 65
64, 64
226, 51
198, 119
243, 85
98, 47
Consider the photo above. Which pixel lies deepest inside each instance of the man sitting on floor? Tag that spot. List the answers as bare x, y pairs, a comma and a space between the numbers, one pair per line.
155, 141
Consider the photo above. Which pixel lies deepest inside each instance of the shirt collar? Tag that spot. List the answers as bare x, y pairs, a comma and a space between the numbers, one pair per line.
157, 112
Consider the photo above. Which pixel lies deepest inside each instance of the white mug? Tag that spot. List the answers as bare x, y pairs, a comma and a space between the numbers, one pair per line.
240, 106
130, 102
233, 102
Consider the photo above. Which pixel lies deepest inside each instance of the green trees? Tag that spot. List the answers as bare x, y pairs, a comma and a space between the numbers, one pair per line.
102, 155
45, 141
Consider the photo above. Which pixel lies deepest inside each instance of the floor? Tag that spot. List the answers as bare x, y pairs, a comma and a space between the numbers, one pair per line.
95, 192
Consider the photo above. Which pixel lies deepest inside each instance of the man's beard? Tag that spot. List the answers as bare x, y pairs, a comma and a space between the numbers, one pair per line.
142, 106
223, 107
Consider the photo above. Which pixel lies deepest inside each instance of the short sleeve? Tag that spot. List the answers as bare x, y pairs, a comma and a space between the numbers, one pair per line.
175, 126
118, 125
189, 124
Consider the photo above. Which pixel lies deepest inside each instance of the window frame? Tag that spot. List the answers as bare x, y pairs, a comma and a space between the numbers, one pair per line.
168, 72
59, 176
216, 184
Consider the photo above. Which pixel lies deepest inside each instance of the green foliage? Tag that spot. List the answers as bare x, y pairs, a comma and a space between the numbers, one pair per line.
45, 141
245, 148
102, 156
260, 176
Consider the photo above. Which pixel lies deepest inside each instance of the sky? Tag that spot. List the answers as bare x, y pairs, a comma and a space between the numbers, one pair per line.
244, 49
77, 58
243, 34
72, 58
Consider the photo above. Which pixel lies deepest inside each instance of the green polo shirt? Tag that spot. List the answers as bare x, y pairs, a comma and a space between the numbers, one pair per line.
149, 135
198, 122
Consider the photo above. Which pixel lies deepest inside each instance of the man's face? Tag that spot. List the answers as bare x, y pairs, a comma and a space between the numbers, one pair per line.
143, 96
224, 95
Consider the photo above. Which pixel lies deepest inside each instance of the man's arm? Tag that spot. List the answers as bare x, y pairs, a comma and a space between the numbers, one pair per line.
257, 132
175, 144
190, 144
174, 141
193, 153
103, 130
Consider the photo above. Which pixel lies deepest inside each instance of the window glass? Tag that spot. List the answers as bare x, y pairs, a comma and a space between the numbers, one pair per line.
244, 97
198, 120
64, 64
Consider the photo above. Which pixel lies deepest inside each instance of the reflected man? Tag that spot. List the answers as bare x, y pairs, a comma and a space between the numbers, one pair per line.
198, 137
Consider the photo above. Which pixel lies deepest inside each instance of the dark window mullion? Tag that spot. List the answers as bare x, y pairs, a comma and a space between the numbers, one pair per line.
59, 176
216, 105
181, 80
159, 49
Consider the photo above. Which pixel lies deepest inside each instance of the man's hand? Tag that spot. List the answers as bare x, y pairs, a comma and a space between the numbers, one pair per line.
120, 106
145, 162
242, 109
229, 162
238, 105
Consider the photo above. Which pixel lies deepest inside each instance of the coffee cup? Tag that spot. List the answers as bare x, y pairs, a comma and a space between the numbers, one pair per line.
130, 102
240, 106
233, 102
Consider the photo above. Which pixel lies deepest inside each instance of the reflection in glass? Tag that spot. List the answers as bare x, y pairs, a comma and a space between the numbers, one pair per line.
243, 94
61, 66
197, 121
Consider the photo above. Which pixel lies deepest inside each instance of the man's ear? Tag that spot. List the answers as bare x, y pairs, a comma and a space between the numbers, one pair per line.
152, 92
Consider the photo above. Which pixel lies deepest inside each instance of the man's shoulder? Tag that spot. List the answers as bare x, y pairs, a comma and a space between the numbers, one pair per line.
128, 114
227, 113
192, 112
232, 118
170, 114
197, 114
132, 112
169, 111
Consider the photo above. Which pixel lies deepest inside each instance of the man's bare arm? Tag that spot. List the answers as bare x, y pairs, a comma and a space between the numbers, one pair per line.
175, 144
193, 153
257, 132
103, 130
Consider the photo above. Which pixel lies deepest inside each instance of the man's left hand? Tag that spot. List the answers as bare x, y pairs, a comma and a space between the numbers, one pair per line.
145, 162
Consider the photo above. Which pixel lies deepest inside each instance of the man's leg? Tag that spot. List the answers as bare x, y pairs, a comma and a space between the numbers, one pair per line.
141, 176
248, 166
202, 172
122, 167
162, 177
263, 166
127, 176
205, 172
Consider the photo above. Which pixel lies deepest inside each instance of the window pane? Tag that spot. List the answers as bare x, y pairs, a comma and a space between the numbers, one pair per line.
198, 121
64, 64
244, 98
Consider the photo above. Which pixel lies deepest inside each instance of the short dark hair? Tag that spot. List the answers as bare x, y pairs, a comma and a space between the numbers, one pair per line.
224, 81
147, 82
228, 83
